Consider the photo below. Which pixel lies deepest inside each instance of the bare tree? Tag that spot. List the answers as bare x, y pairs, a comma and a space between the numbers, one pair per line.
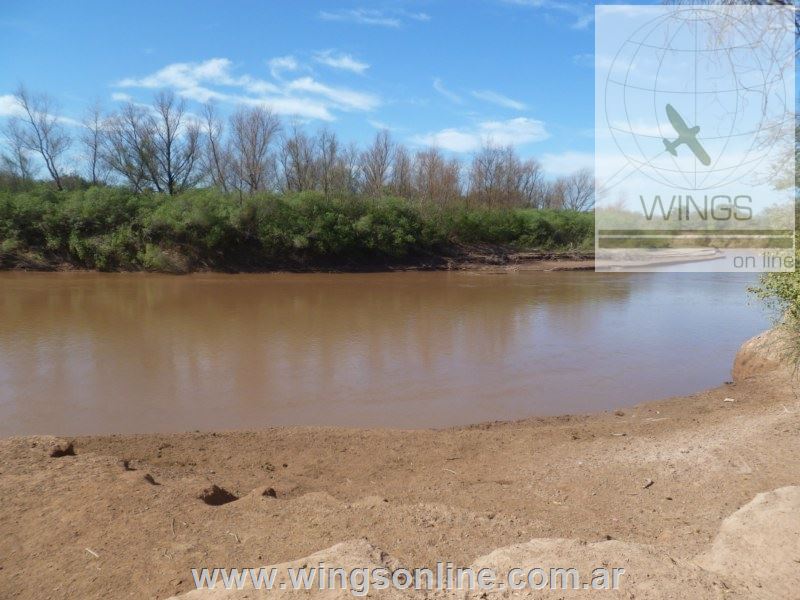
157, 149
17, 160
127, 149
252, 132
553, 194
486, 180
328, 161
217, 157
450, 184
338, 168
790, 3
40, 131
436, 178
578, 190
530, 183
92, 140
166, 149
349, 170
499, 178
298, 159
174, 145
376, 163
402, 180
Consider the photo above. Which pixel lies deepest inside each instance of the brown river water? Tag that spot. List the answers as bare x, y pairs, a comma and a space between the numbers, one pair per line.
85, 353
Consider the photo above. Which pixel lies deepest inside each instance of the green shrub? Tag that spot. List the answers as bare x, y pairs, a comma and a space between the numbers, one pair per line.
310, 227
552, 230
391, 228
473, 225
153, 258
781, 291
114, 229
200, 219
8, 251
111, 251
26, 214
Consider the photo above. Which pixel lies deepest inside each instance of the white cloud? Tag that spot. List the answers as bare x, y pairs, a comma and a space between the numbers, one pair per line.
642, 128
514, 132
625, 10
521, 130
341, 61
186, 75
344, 97
362, 16
214, 79
598, 61
296, 107
9, 107
379, 124
451, 139
499, 99
583, 21
280, 64
440, 87
420, 16
369, 16
121, 97
259, 86
583, 13
567, 162
201, 94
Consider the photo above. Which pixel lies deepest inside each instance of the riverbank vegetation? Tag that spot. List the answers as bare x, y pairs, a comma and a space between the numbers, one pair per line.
159, 187
781, 291
116, 229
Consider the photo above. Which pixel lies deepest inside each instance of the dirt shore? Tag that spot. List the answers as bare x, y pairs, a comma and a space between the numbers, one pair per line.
475, 257
656, 488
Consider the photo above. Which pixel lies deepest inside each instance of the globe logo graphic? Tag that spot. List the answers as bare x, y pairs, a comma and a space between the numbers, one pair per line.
695, 98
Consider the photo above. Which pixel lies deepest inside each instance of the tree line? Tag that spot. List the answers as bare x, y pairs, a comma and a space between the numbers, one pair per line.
164, 148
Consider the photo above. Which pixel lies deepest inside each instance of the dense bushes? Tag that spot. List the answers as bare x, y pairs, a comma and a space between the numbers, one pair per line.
782, 292
114, 229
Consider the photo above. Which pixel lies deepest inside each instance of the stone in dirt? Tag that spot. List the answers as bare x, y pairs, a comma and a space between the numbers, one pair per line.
758, 546
62, 449
766, 352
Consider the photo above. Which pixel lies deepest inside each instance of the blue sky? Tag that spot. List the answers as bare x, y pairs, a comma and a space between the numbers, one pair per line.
446, 72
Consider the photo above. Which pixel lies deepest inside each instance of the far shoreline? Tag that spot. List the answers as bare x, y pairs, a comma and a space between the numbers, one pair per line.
483, 258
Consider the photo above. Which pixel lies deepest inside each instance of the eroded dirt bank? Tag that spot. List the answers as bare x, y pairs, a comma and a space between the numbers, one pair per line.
462, 257
655, 488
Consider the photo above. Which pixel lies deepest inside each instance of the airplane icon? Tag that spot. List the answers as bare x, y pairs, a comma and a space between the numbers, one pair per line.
686, 135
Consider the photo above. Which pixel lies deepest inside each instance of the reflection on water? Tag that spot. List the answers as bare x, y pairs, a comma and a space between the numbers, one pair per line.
92, 353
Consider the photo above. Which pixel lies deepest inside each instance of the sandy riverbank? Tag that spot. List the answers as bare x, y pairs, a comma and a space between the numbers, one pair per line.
654, 488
